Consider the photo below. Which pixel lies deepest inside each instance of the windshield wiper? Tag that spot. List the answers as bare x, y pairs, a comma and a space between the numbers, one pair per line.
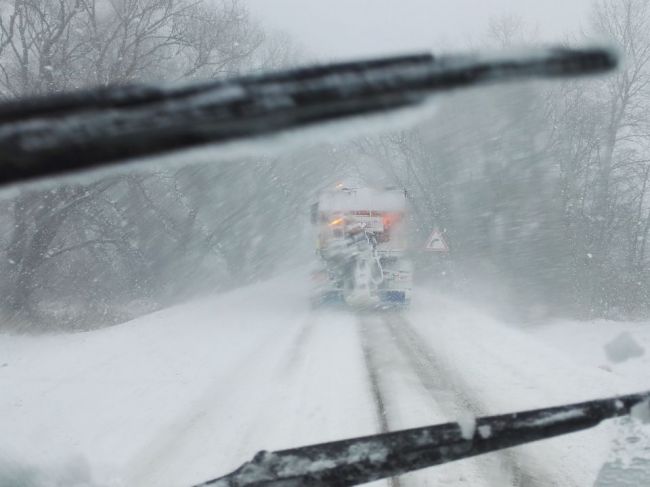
359, 460
64, 133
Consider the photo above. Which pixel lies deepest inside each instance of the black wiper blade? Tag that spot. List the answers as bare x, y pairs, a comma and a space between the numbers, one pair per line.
360, 460
94, 128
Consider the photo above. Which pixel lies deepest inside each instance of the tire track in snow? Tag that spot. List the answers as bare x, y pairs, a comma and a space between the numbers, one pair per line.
375, 390
297, 347
286, 368
167, 442
406, 401
448, 390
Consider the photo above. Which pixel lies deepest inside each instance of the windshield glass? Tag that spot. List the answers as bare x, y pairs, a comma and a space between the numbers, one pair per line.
478, 254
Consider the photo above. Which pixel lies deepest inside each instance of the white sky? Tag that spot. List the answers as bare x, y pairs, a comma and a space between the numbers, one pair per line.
348, 28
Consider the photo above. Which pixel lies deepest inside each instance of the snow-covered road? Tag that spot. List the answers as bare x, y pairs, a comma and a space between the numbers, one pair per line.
191, 392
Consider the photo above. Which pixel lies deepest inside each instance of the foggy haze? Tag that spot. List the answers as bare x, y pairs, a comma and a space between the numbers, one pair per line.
480, 251
349, 28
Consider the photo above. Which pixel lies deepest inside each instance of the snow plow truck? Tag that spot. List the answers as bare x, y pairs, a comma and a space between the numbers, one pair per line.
361, 248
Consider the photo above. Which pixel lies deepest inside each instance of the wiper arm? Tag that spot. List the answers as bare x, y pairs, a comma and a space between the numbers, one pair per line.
360, 460
93, 128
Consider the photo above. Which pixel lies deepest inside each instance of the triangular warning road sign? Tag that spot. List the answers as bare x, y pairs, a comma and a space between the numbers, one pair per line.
436, 242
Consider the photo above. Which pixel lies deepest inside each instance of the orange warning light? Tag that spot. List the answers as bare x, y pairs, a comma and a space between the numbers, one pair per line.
390, 218
338, 221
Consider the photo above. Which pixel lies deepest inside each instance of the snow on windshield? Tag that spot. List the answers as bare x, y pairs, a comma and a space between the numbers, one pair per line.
160, 325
